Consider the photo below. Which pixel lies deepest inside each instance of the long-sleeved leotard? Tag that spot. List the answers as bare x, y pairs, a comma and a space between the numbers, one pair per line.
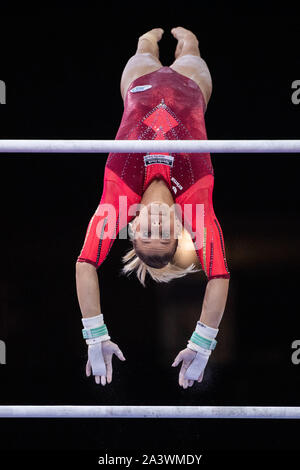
160, 105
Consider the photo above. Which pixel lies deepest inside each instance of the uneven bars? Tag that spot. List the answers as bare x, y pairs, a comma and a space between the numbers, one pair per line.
204, 412
144, 146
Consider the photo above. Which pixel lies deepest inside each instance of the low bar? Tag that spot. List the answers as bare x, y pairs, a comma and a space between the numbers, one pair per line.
200, 412
146, 146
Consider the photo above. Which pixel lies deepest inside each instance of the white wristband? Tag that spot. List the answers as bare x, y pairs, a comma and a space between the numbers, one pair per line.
206, 331
203, 339
95, 322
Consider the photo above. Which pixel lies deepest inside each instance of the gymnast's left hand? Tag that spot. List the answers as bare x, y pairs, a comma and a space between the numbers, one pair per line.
193, 365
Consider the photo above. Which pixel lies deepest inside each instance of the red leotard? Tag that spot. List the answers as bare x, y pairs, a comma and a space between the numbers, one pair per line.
160, 105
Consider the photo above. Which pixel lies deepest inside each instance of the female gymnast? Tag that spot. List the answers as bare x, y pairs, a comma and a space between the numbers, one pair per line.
157, 196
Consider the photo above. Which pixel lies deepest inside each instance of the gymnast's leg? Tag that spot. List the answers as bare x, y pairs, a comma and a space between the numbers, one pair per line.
189, 61
145, 60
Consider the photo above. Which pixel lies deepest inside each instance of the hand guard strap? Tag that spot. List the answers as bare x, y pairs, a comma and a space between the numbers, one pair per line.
203, 338
94, 331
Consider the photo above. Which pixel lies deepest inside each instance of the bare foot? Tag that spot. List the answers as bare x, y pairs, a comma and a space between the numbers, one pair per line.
152, 37
181, 34
158, 32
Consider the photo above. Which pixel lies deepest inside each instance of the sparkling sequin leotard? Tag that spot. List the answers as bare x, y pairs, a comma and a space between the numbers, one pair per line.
160, 105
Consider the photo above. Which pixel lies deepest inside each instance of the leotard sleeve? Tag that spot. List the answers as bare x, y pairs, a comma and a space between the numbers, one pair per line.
110, 217
200, 220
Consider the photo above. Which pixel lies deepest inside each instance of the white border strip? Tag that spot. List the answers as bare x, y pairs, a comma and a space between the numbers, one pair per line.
204, 412
144, 146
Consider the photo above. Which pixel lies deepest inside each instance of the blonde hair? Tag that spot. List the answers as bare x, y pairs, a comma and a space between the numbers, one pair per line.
165, 274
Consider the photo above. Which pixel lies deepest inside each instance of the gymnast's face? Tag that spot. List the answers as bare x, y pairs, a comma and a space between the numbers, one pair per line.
155, 240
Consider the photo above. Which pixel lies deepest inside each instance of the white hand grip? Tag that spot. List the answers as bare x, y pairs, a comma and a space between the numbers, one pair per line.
197, 367
96, 359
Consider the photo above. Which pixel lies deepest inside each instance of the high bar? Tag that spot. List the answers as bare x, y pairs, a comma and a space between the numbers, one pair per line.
204, 412
146, 146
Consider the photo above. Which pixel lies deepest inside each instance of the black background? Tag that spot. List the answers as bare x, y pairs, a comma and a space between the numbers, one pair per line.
62, 69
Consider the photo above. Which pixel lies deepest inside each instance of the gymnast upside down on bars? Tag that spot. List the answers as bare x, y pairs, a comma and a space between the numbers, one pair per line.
160, 103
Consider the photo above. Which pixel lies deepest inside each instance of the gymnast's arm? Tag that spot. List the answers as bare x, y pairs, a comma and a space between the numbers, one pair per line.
212, 258
104, 226
88, 292
214, 302
100, 348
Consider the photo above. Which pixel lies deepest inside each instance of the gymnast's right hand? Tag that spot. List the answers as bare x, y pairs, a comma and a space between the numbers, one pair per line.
100, 349
100, 360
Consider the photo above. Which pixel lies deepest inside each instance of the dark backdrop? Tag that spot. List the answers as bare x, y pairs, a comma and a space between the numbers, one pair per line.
62, 68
